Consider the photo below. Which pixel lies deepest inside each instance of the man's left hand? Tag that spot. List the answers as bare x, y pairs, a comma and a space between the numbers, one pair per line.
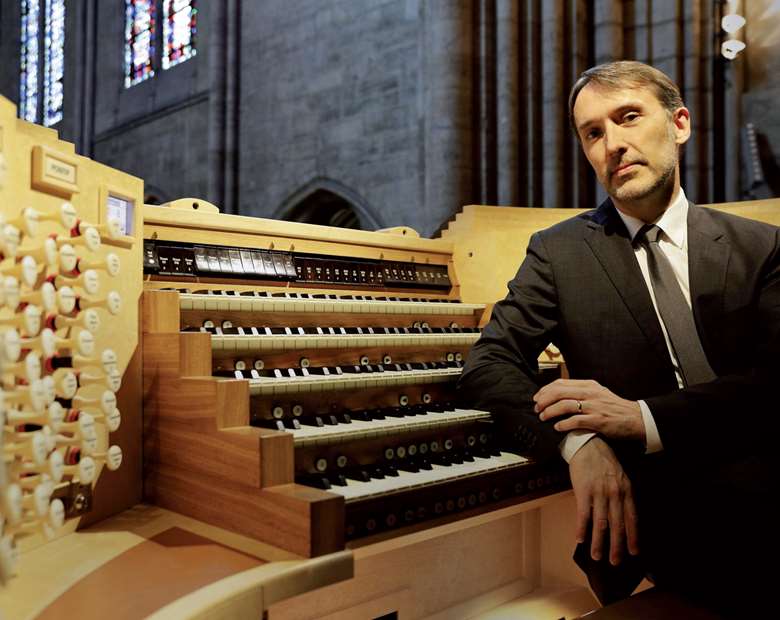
591, 407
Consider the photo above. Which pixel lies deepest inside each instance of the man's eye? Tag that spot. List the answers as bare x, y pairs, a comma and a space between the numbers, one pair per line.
592, 134
630, 117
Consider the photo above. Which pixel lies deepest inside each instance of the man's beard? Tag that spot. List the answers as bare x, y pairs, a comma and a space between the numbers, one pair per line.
627, 193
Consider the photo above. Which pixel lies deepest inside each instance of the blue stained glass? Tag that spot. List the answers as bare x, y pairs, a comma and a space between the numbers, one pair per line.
28, 79
139, 41
54, 65
179, 31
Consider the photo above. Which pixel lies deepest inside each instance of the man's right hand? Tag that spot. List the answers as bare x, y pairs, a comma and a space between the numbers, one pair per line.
604, 500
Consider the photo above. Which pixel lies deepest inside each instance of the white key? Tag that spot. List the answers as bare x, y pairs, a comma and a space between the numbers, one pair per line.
259, 304
358, 491
388, 426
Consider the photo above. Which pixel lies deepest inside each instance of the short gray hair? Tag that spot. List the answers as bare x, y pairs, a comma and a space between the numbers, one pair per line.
624, 73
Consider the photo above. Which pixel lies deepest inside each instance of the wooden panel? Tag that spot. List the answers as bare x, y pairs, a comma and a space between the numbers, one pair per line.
194, 354
281, 234
282, 516
443, 568
160, 311
762, 210
490, 244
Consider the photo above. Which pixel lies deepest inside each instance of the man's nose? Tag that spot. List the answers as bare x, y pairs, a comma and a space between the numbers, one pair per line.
614, 139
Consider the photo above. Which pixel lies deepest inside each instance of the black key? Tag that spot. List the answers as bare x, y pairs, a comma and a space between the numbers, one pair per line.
440, 458
377, 473
364, 415
377, 414
359, 474
346, 418
277, 425
313, 480
390, 470
425, 464
409, 465
233, 374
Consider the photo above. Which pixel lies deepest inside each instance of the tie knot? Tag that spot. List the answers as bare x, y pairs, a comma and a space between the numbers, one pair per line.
649, 232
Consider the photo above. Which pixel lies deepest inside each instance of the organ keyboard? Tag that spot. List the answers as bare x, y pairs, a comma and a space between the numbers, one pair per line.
327, 366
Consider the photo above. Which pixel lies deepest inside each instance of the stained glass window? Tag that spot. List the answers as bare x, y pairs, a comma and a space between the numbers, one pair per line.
28, 82
54, 62
180, 27
139, 40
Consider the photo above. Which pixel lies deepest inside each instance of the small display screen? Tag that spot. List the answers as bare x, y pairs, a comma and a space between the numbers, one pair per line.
121, 210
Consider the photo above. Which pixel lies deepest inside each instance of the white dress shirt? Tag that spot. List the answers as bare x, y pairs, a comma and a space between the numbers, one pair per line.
673, 242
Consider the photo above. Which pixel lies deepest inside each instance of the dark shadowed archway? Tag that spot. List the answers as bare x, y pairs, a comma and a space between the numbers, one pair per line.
328, 203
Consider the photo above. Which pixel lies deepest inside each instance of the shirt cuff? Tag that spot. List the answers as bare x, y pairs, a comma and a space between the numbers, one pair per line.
573, 441
652, 437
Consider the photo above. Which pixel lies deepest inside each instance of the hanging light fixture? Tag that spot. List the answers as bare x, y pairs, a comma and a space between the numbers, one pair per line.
731, 23
731, 48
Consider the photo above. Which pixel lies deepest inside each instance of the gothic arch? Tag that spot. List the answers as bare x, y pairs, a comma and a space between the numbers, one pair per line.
154, 195
330, 203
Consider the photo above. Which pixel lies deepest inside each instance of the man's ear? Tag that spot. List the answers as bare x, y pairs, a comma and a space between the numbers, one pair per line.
681, 121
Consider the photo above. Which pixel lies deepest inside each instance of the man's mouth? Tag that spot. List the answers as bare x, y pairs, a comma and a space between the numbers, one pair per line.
625, 168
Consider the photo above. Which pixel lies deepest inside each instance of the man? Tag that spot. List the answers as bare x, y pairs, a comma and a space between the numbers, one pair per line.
671, 336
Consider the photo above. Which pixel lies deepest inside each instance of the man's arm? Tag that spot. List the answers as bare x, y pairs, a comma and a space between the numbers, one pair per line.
500, 372
730, 415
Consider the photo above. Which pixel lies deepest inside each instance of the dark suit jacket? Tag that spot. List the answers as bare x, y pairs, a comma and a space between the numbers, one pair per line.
580, 287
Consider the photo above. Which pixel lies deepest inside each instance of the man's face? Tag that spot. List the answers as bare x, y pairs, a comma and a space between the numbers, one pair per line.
630, 139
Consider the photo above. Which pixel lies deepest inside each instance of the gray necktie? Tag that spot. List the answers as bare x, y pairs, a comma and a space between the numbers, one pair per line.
674, 310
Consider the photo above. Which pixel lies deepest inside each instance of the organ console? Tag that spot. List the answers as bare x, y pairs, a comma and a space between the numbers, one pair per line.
289, 420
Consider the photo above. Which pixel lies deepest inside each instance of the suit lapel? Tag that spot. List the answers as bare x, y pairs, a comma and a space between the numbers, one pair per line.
608, 240
708, 259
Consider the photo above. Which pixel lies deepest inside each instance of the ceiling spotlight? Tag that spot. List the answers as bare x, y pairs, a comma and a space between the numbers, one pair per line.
732, 23
731, 48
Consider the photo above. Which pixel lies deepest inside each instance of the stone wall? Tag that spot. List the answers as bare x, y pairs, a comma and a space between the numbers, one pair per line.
373, 96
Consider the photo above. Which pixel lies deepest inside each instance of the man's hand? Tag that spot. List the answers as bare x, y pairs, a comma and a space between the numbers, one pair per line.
592, 407
603, 494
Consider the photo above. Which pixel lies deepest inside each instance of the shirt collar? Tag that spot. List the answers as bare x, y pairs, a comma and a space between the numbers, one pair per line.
673, 222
